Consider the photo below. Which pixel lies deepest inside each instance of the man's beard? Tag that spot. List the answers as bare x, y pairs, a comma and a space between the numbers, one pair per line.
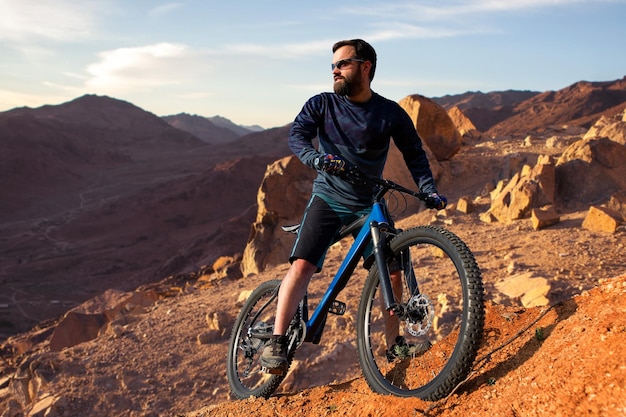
347, 86
342, 87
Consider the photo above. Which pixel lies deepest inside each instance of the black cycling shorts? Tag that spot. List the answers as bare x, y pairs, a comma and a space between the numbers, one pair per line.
323, 218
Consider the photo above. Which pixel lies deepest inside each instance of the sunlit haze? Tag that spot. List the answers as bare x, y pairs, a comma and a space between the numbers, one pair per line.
256, 62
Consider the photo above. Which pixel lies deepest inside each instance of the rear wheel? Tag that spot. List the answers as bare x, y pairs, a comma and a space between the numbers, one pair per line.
252, 329
441, 327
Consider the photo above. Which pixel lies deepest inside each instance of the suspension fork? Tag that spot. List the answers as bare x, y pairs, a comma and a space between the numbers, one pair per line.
409, 273
379, 235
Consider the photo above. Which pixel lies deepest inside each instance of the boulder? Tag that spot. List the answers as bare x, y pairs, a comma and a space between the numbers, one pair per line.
465, 205
602, 219
591, 170
529, 290
464, 125
618, 203
85, 322
613, 128
544, 217
528, 189
76, 328
434, 126
282, 198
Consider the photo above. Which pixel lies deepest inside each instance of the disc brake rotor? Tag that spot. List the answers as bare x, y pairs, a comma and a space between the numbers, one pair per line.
420, 314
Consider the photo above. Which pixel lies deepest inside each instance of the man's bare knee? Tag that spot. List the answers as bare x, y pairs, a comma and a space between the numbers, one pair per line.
303, 267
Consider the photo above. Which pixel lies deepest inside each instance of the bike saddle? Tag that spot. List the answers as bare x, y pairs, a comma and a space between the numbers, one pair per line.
292, 228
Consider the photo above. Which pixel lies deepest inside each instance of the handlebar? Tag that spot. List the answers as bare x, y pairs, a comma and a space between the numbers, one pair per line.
355, 175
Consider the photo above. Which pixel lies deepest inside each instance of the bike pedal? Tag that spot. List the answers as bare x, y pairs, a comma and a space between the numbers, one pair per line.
272, 371
338, 308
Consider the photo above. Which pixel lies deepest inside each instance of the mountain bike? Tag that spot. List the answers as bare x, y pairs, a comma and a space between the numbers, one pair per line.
439, 315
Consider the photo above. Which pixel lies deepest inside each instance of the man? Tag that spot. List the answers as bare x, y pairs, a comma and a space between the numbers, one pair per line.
353, 126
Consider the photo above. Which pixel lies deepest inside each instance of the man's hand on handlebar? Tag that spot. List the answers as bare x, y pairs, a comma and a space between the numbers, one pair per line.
332, 164
337, 166
436, 201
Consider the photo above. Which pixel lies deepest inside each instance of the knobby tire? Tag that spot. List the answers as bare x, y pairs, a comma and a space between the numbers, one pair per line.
244, 373
449, 280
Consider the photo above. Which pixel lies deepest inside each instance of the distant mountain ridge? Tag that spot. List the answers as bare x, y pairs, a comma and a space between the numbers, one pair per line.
212, 130
204, 128
518, 112
492, 99
228, 124
486, 109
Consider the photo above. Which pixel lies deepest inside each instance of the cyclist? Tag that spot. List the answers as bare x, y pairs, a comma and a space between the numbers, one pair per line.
353, 125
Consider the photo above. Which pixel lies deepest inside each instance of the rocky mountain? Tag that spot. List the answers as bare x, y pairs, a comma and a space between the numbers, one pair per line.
52, 153
519, 112
97, 193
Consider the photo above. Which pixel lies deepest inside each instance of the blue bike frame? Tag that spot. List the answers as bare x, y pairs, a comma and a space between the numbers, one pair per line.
373, 230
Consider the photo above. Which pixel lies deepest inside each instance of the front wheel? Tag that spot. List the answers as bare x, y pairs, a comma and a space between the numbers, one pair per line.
252, 329
430, 347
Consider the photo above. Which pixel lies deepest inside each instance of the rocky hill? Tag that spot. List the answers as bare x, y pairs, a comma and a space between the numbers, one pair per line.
486, 109
523, 112
141, 240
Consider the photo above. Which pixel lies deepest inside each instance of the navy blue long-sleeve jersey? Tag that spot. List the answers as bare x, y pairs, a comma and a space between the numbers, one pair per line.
360, 134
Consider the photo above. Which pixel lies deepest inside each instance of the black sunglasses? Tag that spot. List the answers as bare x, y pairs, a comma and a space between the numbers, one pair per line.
343, 62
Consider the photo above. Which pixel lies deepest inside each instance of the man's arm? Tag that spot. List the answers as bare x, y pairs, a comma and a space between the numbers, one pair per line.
304, 130
410, 145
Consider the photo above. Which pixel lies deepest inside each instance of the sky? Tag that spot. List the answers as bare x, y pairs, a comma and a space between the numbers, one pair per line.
256, 62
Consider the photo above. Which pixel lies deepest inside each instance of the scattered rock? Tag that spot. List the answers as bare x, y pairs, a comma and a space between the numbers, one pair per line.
487, 217
76, 328
465, 205
45, 407
243, 296
544, 217
602, 219
531, 291
86, 321
618, 203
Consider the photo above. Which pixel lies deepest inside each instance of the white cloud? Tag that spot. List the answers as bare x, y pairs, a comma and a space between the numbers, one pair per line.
46, 19
141, 68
